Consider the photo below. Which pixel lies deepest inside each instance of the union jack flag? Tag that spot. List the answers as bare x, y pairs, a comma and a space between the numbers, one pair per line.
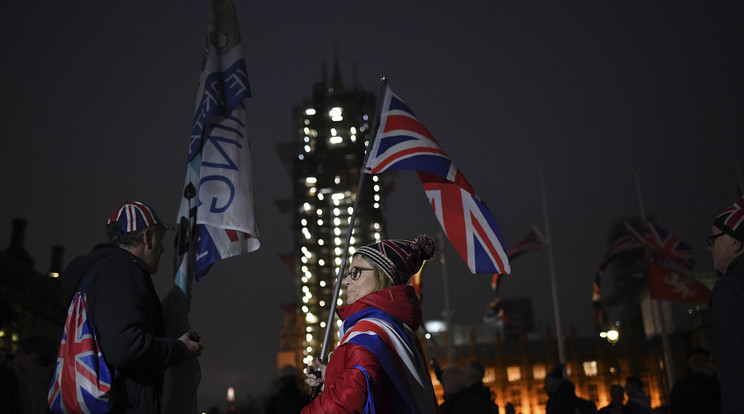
82, 380
624, 244
402, 142
667, 249
530, 243
384, 336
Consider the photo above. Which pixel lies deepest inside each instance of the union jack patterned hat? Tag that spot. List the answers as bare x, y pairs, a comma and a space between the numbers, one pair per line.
400, 259
132, 216
731, 220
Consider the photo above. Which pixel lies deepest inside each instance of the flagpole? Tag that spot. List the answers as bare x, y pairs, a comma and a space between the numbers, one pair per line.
345, 255
447, 310
556, 307
658, 312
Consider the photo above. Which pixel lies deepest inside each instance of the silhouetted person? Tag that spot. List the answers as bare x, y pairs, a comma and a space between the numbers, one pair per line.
9, 401
457, 399
726, 245
290, 398
617, 397
699, 390
638, 401
475, 371
34, 367
562, 397
510, 408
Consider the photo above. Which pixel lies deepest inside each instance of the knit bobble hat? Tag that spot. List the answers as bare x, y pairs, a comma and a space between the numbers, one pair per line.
400, 259
731, 220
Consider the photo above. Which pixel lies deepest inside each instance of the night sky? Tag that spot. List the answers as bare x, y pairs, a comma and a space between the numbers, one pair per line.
98, 101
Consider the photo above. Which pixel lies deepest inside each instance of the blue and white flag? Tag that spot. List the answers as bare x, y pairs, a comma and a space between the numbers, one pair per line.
217, 219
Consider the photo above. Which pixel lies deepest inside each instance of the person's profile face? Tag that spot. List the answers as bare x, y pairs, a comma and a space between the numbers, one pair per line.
722, 250
360, 280
153, 249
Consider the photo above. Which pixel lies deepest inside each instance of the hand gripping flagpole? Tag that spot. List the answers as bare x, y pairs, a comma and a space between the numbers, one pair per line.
344, 257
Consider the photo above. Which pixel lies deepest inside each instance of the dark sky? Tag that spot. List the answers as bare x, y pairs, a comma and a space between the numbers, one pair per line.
98, 100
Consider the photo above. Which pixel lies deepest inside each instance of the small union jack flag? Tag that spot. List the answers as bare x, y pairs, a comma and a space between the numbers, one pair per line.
667, 249
82, 380
403, 143
624, 244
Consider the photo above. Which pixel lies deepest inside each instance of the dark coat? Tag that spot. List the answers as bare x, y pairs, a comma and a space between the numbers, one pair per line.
728, 318
126, 312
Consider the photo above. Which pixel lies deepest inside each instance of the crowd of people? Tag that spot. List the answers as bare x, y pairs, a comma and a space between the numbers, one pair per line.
379, 364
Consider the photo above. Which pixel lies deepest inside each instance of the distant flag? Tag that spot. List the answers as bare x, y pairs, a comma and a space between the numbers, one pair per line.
216, 218
402, 142
668, 284
666, 248
530, 243
624, 244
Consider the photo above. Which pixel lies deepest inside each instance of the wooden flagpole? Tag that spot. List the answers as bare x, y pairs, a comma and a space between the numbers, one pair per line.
345, 255
553, 282
656, 309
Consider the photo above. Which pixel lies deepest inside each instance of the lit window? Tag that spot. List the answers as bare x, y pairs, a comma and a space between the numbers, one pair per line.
538, 372
336, 140
310, 111
336, 114
513, 374
490, 375
590, 368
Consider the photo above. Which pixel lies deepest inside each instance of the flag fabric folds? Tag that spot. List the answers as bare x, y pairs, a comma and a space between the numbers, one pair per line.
668, 284
403, 143
216, 218
624, 244
530, 243
666, 248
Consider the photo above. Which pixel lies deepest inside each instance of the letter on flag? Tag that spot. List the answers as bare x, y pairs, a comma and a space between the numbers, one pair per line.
403, 143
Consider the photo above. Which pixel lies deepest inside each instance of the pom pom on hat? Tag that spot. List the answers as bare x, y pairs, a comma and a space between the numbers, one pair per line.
400, 259
731, 220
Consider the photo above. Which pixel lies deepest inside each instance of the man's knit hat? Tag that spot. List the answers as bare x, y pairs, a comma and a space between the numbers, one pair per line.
400, 259
731, 220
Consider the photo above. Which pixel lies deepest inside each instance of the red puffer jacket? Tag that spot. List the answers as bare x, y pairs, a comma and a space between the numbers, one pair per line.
345, 389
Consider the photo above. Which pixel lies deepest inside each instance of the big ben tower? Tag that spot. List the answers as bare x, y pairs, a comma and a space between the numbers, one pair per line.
331, 134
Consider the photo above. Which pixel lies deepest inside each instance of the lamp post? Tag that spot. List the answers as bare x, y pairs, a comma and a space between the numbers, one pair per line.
612, 335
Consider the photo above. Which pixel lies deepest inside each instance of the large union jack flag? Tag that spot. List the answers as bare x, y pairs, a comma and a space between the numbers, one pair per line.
403, 143
667, 249
82, 380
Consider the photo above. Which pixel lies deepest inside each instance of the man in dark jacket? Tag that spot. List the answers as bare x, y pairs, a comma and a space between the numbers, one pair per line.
698, 391
125, 309
726, 245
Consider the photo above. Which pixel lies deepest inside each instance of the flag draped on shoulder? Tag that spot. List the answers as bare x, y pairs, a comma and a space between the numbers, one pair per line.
403, 143
216, 218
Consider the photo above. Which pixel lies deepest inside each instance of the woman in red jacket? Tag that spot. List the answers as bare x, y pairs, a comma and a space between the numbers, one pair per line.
379, 364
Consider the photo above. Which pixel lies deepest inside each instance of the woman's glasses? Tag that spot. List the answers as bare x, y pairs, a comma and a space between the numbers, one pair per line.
355, 272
